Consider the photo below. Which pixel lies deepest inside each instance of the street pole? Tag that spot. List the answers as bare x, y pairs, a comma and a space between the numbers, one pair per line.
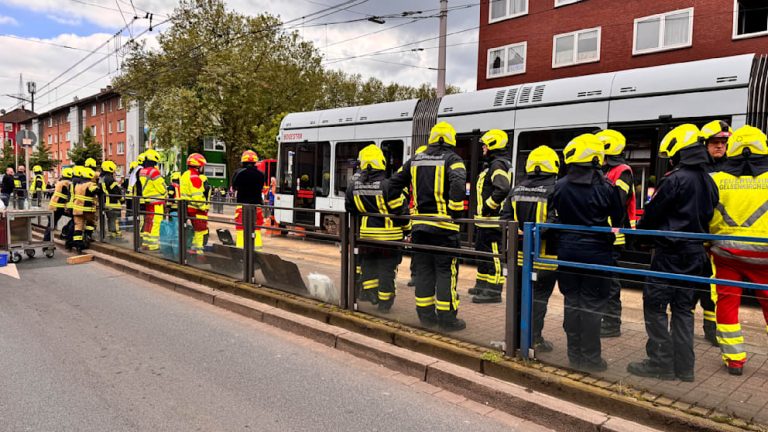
441, 49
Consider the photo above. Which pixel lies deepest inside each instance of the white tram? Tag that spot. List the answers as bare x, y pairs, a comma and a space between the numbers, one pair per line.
318, 150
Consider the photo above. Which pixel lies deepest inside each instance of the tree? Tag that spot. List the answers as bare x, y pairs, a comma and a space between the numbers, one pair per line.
8, 159
86, 148
42, 156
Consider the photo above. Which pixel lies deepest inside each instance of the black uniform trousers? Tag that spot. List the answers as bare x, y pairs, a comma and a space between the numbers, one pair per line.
670, 344
379, 268
57, 215
490, 274
612, 317
585, 292
543, 287
436, 275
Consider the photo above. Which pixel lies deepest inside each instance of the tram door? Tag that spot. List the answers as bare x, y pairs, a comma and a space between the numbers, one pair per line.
468, 147
305, 178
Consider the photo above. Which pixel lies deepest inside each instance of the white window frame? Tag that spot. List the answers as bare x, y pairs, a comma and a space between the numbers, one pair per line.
93, 110
736, 35
575, 59
109, 124
110, 149
506, 52
120, 103
120, 126
662, 17
211, 170
50, 121
560, 3
492, 20
211, 144
50, 139
120, 147
69, 136
93, 131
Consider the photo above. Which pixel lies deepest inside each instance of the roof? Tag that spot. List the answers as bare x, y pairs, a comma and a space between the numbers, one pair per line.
19, 115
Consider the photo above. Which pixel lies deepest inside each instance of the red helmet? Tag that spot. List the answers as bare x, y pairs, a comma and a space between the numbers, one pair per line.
249, 156
196, 160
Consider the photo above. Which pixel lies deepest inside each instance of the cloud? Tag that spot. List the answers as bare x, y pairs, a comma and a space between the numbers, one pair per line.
65, 21
6, 20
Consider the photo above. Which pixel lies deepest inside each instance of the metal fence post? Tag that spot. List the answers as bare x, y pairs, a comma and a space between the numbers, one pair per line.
248, 213
527, 291
351, 268
344, 237
102, 217
181, 213
136, 228
512, 307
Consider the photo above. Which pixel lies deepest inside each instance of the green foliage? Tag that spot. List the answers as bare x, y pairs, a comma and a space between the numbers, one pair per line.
8, 159
86, 148
43, 157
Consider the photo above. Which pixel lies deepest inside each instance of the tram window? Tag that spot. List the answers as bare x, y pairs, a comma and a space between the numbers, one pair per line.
324, 169
286, 174
393, 154
346, 161
557, 139
642, 144
306, 164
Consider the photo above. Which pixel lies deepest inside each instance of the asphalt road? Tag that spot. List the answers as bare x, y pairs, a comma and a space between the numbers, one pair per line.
86, 348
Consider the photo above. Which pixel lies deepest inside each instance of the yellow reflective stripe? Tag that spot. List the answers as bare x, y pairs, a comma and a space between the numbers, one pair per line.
456, 205
710, 315
59, 195
439, 188
458, 165
496, 263
491, 203
385, 296
454, 282
729, 328
444, 225
397, 202
479, 192
623, 185
371, 283
503, 173
413, 188
425, 301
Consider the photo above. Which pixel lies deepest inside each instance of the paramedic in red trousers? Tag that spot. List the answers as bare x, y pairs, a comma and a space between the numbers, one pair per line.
192, 189
248, 183
742, 211
619, 173
685, 201
584, 197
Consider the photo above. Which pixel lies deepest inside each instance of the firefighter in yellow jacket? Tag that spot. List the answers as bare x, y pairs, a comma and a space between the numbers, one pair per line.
743, 187
84, 208
38, 187
113, 198
193, 190
153, 193
367, 194
58, 204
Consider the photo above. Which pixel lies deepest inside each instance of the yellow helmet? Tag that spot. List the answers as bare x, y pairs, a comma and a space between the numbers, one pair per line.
133, 165
152, 156
88, 173
371, 156
442, 131
37, 169
140, 160
495, 139
747, 137
584, 149
67, 173
683, 136
716, 129
614, 141
90, 163
543, 158
175, 176
78, 171
108, 166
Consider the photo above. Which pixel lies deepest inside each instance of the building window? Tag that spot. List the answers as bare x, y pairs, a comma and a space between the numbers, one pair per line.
579, 47
119, 103
121, 125
93, 130
110, 105
50, 121
507, 60
750, 18
93, 110
50, 139
69, 136
505, 9
102, 107
110, 149
214, 170
109, 125
85, 114
120, 147
565, 2
213, 145
663, 32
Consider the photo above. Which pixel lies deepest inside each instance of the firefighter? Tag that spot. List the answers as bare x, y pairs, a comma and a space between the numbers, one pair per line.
192, 188
61, 195
91, 163
153, 194
531, 201
174, 192
20, 185
492, 187
438, 181
113, 199
715, 135
248, 183
38, 187
619, 174
585, 197
367, 194
84, 208
684, 201
743, 188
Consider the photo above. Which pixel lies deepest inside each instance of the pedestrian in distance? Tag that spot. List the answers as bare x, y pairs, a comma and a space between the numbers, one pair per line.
6, 186
742, 184
684, 201
585, 197
438, 179
492, 188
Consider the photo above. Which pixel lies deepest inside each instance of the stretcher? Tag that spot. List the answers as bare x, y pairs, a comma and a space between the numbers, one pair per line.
16, 233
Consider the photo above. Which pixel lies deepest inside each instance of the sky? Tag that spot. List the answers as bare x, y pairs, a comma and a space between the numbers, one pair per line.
43, 39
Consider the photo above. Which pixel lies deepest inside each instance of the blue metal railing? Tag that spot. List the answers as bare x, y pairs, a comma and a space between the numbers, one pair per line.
531, 254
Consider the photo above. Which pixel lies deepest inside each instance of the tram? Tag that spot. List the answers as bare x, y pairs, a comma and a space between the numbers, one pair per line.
318, 150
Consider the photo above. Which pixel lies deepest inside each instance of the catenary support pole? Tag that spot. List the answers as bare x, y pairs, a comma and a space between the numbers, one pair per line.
441, 48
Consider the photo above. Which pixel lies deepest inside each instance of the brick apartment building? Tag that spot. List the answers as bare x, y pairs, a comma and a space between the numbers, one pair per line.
537, 40
10, 124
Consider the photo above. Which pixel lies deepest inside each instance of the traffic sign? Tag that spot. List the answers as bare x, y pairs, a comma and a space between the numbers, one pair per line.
26, 138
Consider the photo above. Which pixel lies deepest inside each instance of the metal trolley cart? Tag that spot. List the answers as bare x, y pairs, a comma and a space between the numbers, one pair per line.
16, 233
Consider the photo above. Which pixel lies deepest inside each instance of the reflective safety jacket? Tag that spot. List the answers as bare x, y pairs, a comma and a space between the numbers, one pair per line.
152, 186
742, 211
193, 189
620, 175
367, 194
38, 184
531, 201
85, 198
61, 194
438, 180
113, 193
76, 180
492, 188
174, 193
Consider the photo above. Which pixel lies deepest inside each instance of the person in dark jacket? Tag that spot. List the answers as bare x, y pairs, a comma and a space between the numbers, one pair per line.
492, 187
715, 135
685, 201
438, 180
7, 186
531, 201
585, 197
248, 182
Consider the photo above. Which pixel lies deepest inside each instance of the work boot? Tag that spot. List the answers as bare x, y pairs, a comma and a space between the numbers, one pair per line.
610, 331
385, 306
685, 376
710, 333
451, 324
736, 370
428, 320
647, 370
487, 296
411, 283
542, 345
600, 366
479, 287
370, 295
